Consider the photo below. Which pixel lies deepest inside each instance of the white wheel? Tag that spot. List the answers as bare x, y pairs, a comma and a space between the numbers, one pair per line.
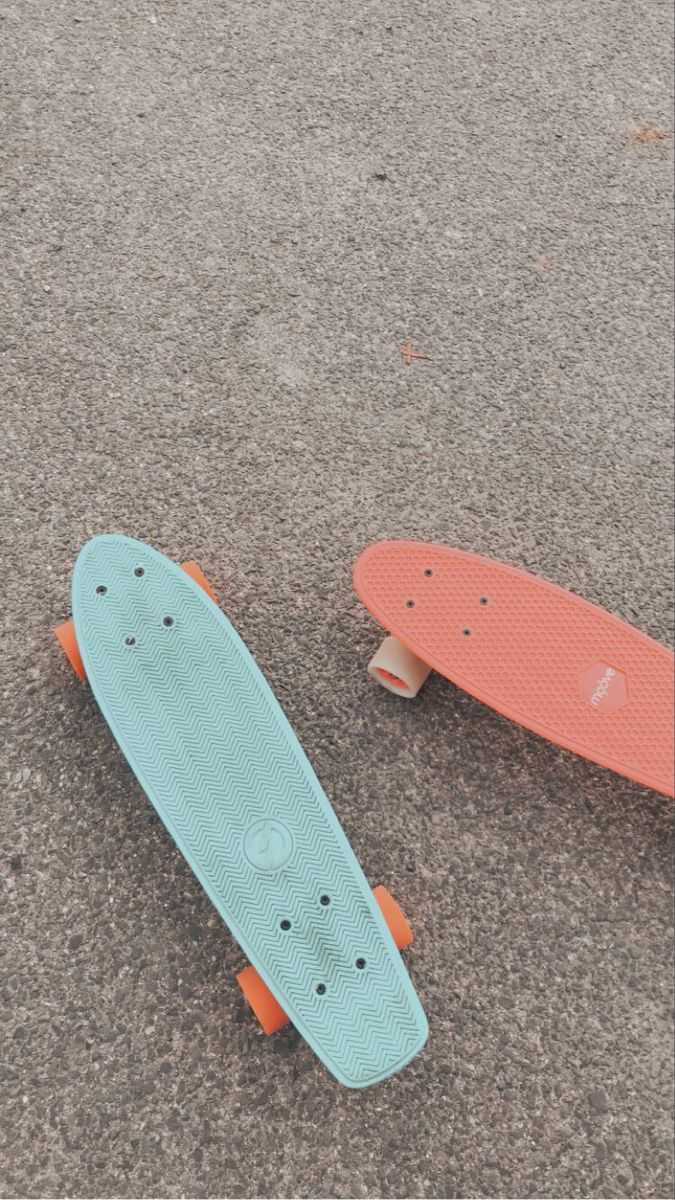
397, 669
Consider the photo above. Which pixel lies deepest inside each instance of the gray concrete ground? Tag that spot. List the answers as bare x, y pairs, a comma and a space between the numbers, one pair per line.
219, 221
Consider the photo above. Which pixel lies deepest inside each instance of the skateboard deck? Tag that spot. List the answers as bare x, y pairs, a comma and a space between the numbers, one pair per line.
538, 654
213, 751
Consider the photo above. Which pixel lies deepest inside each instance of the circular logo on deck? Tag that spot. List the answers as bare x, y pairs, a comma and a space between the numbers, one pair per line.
603, 687
268, 844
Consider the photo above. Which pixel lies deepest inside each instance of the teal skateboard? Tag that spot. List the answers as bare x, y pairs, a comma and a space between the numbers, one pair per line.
214, 753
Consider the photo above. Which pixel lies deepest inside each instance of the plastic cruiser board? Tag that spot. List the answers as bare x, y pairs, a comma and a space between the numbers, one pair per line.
213, 751
536, 653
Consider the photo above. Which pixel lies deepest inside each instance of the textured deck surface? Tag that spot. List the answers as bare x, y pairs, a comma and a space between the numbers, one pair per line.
212, 749
536, 653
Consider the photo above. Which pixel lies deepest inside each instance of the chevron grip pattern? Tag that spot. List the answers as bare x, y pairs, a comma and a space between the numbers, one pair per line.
215, 754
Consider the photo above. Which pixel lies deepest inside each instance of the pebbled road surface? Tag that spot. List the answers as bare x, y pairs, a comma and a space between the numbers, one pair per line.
219, 221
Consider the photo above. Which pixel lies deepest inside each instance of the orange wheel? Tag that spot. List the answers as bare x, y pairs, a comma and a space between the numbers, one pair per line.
394, 916
268, 1011
195, 572
65, 635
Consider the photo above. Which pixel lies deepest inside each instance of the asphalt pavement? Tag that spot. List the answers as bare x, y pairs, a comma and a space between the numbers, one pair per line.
219, 224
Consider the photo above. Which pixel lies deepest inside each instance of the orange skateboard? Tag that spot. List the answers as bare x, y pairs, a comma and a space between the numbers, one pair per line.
536, 653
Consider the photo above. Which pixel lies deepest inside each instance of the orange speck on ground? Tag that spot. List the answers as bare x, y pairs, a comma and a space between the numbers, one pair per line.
409, 354
644, 135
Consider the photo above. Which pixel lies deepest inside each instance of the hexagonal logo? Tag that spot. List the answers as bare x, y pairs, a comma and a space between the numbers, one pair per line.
268, 844
603, 688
